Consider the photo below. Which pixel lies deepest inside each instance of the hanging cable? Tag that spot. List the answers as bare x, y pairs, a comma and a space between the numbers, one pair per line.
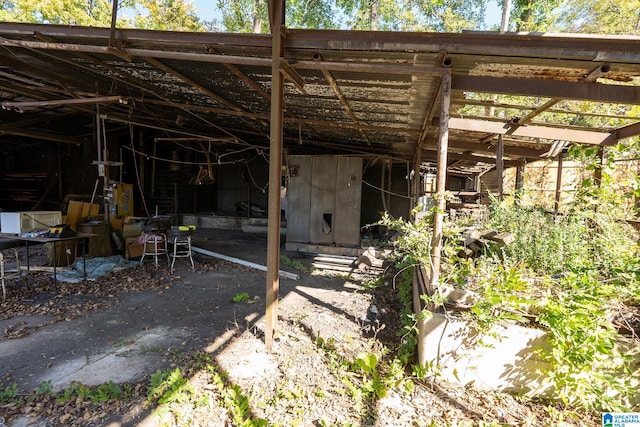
385, 191
382, 190
135, 163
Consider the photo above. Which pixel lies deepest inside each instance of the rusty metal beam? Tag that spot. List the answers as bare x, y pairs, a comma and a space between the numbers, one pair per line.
551, 46
491, 103
532, 131
292, 75
547, 46
558, 184
622, 133
368, 67
119, 74
64, 102
428, 119
590, 77
500, 165
343, 100
139, 121
509, 150
311, 122
595, 92
441, 178
243, 76
154, 62
277, 19
46, 75
7, 130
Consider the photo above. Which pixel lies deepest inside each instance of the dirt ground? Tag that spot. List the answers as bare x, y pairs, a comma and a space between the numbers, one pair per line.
132, 323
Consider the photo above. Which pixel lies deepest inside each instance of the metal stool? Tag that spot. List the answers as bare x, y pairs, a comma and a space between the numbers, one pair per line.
181, 248
9, 273
155, 245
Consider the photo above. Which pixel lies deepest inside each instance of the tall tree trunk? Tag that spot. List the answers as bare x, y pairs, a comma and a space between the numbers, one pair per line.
526, 17
506, 11
257, 18
374, 15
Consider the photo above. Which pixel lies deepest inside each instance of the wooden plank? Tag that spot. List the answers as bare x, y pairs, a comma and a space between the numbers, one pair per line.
79, 211
74, 212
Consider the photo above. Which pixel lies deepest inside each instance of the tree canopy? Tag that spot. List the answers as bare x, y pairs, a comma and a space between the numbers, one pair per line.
243, 16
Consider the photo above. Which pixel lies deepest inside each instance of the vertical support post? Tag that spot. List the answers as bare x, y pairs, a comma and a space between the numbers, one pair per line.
276, 15
438, 216
60, 195
519, 181
142, 169
558, 183
597, 173
389, 166
416, 177
500, 166
114, 18
520, 176
441, 180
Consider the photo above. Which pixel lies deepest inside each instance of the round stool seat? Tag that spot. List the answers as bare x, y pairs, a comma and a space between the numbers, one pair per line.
181, 248
155, 245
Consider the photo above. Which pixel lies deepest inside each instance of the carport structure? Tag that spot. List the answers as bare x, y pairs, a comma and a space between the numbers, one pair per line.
422, 98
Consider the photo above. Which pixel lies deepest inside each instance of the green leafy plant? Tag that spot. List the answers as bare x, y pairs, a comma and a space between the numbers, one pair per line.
101, 393
587, 366
234, 399
45, 387
293, 263
106, 392
241, 297
169, 386
9, 394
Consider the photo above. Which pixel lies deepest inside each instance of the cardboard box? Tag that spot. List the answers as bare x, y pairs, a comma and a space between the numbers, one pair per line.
129, 230
78, 212
132, 248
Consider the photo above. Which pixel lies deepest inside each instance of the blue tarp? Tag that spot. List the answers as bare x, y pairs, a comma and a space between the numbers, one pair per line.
96, 268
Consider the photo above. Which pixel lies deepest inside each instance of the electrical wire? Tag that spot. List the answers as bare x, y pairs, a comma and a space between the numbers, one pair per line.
179, 162
385, 191
135, 164
263, 189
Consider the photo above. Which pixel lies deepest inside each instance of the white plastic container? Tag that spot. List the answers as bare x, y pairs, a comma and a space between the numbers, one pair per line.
23, 222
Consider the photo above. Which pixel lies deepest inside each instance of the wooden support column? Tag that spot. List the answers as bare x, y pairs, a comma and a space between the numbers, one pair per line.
558, 183
276, 15
500, 166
